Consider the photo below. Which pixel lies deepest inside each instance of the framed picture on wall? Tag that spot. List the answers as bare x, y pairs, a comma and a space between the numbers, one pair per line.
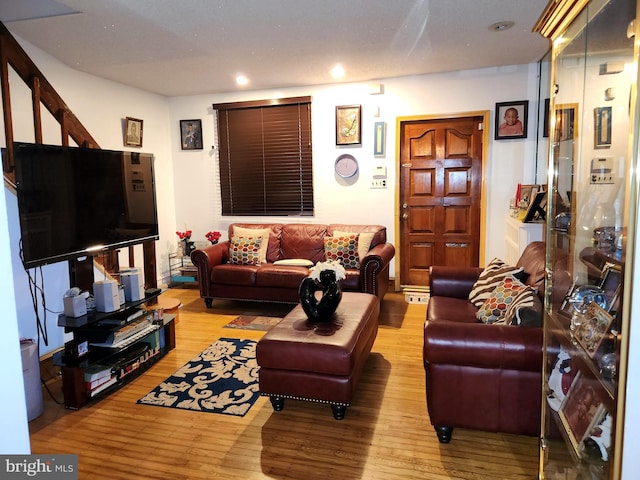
348, 125
602, 130
132, 132
511, 119
191, 134
379, 139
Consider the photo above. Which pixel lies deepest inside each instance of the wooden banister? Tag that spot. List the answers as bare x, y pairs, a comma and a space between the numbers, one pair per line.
43, 93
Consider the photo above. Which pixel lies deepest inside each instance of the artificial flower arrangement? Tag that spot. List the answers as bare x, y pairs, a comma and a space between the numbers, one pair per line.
184, 235
336, 266
213, 237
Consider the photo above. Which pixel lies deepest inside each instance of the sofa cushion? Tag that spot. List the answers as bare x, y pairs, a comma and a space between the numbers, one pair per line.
364, 241
494, 308
261, 233
283, 276
525, 310
343, 249
244, 250
489, 279
230, 274
303, 241
451, 309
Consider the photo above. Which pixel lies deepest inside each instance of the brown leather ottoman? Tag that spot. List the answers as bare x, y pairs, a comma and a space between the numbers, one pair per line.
319, 362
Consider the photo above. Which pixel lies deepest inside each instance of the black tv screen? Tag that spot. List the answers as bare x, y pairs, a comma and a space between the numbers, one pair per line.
77, 201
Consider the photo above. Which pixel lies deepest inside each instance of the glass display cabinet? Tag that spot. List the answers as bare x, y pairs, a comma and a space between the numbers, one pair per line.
591, 207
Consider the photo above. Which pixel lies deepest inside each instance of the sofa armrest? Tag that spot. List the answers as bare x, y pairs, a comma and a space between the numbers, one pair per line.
374, 269
207, 258
479, 345
452, 281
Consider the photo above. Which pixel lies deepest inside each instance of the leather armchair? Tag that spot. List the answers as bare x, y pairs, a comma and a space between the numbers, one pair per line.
479, 376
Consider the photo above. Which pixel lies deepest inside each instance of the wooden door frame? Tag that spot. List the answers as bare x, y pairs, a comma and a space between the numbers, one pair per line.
485, 114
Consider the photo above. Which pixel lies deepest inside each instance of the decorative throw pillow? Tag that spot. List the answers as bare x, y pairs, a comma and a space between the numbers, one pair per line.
343, 249
494, 309
262, 233
525, 310
244, 250
364, 241
489, 279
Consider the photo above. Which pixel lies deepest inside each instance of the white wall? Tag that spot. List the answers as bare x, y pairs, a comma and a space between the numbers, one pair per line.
336, 201
14, 433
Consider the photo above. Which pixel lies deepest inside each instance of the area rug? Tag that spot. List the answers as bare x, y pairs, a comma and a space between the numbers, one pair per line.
221, 379
253, 322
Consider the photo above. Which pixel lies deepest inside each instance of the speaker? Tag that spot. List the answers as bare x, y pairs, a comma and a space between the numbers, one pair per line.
106, 295
133, 287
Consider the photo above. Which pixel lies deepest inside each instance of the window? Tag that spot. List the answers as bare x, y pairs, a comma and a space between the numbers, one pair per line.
265, 157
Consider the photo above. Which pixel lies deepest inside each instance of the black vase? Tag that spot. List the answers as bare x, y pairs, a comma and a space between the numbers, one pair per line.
322, 310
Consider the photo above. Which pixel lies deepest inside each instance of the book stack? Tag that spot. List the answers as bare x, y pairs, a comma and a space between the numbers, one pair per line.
98, 378
121, 336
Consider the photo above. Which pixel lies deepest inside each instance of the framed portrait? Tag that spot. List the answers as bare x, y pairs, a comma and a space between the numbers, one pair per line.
527, 193
132, 132
580, 410
593, 328
379, 139
191, 134
348, 125
610, 284
511, 119
602, 124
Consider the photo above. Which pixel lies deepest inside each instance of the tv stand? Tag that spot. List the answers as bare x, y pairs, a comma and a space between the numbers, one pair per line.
108, 350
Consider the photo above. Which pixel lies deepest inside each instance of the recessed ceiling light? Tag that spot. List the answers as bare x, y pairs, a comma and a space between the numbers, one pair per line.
241, 80
337, 71
501, 26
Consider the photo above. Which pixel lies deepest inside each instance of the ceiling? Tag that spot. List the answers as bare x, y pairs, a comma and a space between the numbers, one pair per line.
189, 47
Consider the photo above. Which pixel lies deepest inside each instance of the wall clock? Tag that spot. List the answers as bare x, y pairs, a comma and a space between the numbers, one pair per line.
346, 166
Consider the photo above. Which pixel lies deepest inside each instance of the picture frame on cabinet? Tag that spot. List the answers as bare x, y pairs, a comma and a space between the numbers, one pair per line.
611, 283
602, 123
527, 194
580, 410
565, 125
593, 328
191, 134
537, 208
511, 119
348, 125
132, 132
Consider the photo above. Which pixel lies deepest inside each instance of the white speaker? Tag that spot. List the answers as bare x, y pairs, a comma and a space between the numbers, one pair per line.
133, 287
106, 295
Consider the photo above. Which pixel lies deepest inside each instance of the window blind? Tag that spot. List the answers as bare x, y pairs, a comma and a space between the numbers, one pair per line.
266, 157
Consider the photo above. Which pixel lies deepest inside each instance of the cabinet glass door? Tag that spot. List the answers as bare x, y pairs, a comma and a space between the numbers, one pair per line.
593, 100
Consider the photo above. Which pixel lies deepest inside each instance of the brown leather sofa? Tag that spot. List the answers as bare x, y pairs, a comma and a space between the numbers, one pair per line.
279, 283
481, 376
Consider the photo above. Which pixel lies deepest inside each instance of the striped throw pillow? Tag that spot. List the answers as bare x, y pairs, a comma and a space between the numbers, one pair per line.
489, 279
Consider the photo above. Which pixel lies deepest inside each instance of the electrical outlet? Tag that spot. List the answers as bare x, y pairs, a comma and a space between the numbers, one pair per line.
379, 183
601, 178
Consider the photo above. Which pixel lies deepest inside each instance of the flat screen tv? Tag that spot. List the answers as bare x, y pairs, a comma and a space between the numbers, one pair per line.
75, 201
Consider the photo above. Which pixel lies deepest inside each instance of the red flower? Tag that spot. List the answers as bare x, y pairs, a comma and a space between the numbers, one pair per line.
184, 235
213, 237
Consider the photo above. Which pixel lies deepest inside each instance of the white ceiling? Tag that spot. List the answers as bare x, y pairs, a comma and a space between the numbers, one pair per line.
198, 46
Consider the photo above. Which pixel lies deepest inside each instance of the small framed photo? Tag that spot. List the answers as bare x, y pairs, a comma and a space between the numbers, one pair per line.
610, 283
528, 193
379, 139
566, 307
191, 134
593, 328
580, 410
348, 125
565, 122
602, 130
132, 132
511, 119
537, 208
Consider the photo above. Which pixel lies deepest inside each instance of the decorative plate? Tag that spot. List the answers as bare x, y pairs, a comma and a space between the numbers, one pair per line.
346, 165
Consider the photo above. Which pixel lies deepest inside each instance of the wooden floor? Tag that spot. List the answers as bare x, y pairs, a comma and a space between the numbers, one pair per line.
385, 435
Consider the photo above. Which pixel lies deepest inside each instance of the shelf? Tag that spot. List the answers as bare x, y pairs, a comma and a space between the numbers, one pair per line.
94, 316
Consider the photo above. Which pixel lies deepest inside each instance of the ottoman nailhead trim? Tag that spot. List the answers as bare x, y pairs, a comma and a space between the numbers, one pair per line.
304, 398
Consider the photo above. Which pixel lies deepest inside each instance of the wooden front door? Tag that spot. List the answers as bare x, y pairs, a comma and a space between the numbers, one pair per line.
440, 184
